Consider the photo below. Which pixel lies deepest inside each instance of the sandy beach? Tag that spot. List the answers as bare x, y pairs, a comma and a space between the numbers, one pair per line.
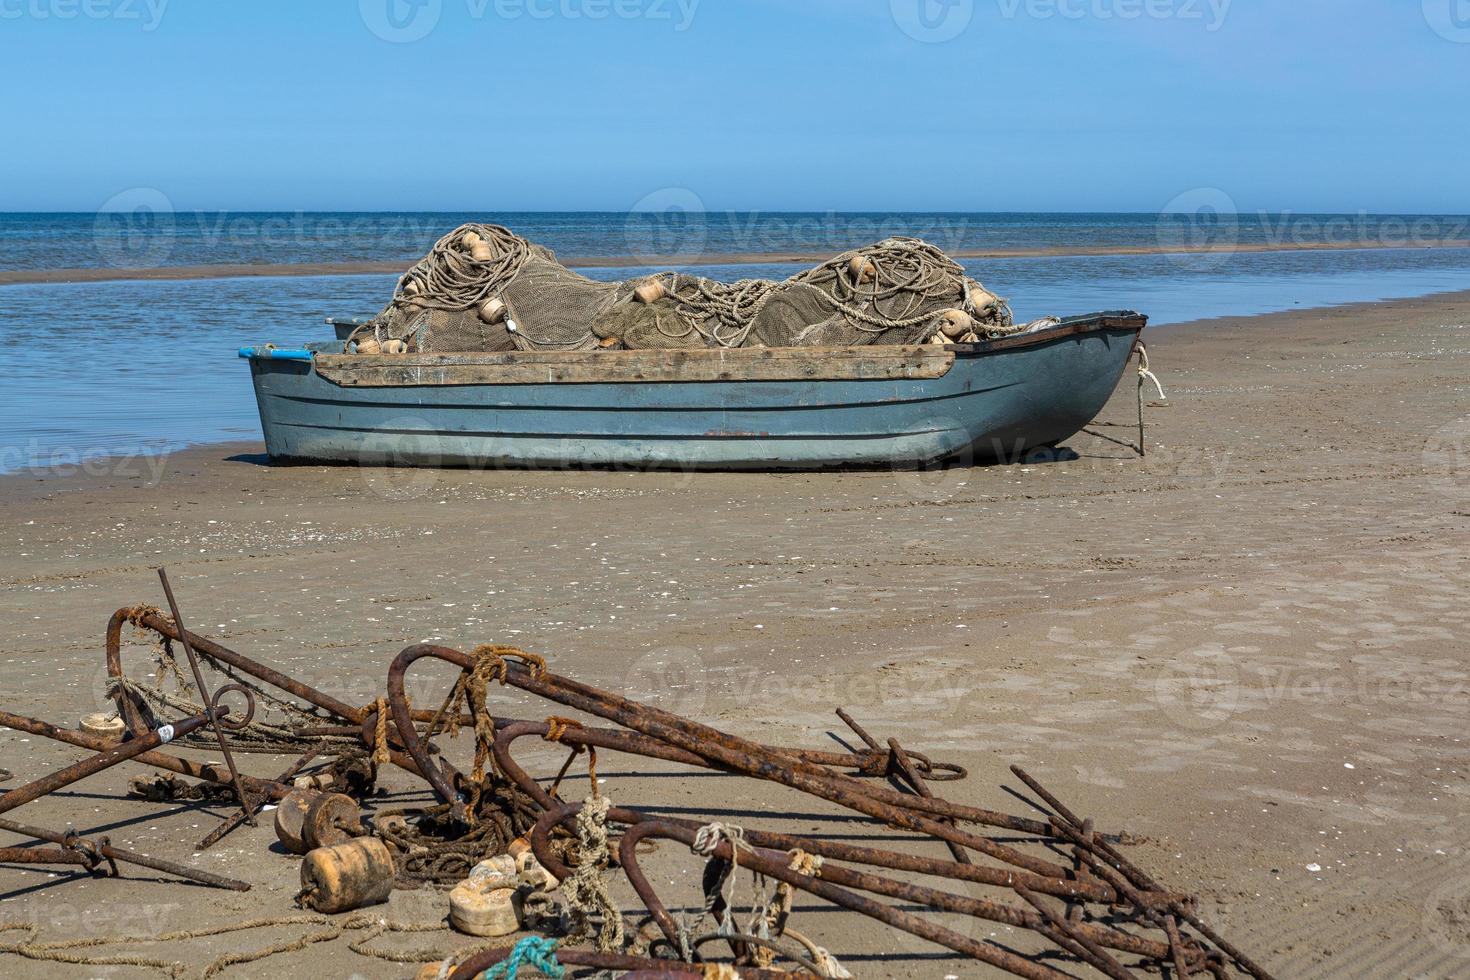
228, 270
1248, 648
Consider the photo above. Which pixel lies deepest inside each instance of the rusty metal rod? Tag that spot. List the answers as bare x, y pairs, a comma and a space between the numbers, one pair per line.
777, 868
358, 718
641, 966
151, 619
247, 802
911, 776
727, 750
1096, 842
1088, 950
562, 689
908, 892
42, 855
105, 848
52, 782
998, 877
238, 817
172, 763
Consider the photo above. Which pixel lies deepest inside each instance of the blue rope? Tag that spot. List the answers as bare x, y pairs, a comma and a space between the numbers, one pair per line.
534, 951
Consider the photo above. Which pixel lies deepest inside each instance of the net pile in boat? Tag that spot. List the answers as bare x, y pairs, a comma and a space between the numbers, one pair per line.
483, 288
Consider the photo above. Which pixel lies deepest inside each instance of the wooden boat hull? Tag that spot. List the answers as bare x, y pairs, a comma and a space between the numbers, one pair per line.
739, 409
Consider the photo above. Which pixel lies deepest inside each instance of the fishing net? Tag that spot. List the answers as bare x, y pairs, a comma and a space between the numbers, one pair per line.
482, 288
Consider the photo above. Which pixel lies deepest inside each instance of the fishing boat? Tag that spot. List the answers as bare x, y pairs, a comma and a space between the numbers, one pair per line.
741, 408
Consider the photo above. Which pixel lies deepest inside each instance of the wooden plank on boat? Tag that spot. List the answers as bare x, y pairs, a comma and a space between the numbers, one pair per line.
888, 363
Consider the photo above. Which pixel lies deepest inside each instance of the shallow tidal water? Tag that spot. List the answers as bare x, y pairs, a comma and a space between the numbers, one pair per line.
145, 367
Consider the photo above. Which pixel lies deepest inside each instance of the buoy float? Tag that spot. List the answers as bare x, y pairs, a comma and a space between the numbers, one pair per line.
481, 252
534, 876
608, 343
955, 323
104, 725
394, 347
650, 293
412, 288
980, 298
317, 780
291, 818
393, 823
528, 868
369, 346
347, 876
500, 869
331, 819
487, 903
470, 239
492, 310
862, 268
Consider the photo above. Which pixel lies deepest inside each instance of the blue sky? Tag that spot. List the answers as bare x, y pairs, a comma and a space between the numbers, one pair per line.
1108, 105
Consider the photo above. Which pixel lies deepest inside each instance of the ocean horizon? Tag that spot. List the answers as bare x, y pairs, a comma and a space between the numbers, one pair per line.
145, 232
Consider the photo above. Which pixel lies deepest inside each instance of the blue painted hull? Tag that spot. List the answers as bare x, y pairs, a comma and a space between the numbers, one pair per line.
996, 400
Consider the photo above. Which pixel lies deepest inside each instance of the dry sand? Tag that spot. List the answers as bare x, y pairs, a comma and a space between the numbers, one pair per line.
1248, 648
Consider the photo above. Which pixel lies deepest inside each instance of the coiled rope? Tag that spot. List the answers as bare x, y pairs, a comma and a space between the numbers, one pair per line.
533, 950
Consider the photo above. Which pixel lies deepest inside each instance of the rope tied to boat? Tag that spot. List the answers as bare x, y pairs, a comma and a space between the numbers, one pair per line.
1144, 372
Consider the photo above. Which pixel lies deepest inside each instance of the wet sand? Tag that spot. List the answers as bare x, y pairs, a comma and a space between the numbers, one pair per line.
238, 270
1248, 648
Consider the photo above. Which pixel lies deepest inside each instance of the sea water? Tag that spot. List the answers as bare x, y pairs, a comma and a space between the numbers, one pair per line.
146, 366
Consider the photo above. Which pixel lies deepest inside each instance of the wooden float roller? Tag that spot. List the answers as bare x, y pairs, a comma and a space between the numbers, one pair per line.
315, 781
862, 268
980, 300
393, 823
104, 725
955, 323
291, 819
492, 310
331, 820
650, 292
488, 903
369, 346
347, 876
